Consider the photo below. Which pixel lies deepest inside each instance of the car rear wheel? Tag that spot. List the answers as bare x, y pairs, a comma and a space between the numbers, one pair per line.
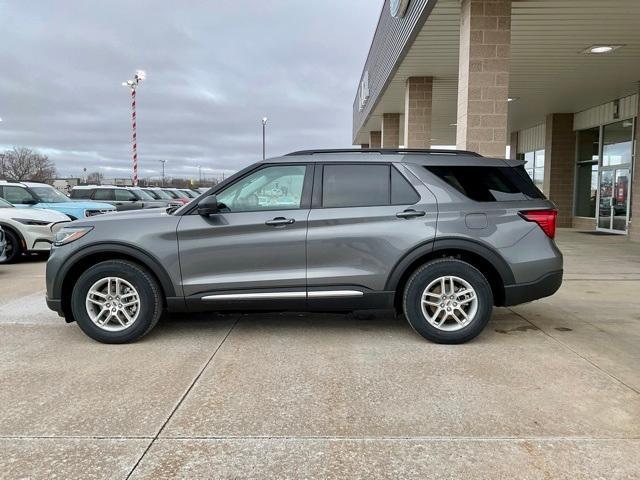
13, 250
116, 302
448, 301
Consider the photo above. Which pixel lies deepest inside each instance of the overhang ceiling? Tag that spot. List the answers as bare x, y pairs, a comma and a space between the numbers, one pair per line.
549, 72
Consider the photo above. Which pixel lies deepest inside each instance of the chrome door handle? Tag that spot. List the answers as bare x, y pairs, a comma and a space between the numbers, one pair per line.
279, 222
410, 213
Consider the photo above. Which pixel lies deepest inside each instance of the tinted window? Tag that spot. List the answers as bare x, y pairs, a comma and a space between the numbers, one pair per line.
489, 184
49, 194
355, 185
125, 196
81, 193
103, 194
18, 195
271, 188
402, 193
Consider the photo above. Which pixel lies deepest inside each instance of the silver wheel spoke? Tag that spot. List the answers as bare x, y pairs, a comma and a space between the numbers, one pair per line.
449, 303
105, 305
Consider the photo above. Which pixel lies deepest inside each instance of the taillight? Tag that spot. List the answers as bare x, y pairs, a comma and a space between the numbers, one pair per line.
546, 219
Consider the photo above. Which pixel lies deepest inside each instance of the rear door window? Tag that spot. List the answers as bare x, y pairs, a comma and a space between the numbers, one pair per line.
105, 194
489, 184
362, 185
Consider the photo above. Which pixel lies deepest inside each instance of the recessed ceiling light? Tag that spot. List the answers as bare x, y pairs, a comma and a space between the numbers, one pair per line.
512, 99
453, 124
600, 49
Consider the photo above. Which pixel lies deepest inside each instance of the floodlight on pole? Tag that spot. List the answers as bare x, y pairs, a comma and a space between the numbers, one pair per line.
162, 162
264, 127
133, 85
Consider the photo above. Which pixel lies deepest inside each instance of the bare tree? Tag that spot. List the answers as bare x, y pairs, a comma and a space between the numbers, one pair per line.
95, 178
23, 164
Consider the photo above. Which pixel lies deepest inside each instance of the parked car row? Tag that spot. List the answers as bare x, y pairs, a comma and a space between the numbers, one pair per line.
31, 213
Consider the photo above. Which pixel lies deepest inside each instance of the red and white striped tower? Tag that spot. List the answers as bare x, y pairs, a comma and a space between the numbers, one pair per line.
134, 144
133, 85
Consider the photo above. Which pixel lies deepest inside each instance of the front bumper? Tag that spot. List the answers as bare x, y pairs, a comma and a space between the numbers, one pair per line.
55, 305
527, 292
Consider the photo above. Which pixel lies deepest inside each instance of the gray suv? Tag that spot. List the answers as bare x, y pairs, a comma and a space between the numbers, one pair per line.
441, 236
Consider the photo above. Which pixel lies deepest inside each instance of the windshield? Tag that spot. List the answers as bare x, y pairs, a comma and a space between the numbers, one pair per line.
5, 204
189, 193
173, 194
48, 194
141, 194
160, 194
180, 193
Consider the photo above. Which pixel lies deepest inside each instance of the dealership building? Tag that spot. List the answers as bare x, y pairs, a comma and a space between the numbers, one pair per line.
552, 82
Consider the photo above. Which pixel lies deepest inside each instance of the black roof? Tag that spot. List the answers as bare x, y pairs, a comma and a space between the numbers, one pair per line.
386, 151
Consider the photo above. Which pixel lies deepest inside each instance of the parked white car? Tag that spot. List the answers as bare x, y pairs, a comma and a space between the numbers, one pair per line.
28, 229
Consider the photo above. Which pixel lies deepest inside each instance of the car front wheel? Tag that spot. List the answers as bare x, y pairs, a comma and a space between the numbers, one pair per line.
448, 301
116, 302
13, 250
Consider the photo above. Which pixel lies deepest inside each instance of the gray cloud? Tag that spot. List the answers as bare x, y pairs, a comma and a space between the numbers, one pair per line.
214, 69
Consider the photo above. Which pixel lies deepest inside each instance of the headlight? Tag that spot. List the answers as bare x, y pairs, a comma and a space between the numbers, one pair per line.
70, 234
26, 221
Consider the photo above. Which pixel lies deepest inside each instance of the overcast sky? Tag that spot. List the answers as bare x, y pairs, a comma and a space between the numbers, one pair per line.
214, 68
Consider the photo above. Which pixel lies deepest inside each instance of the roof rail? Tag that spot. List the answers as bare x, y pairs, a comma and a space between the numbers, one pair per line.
385, 151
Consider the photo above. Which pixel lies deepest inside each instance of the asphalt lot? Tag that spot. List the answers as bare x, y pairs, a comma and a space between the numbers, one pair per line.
551, 389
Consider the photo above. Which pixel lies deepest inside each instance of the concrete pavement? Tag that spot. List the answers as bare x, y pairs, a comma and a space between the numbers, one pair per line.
550, 389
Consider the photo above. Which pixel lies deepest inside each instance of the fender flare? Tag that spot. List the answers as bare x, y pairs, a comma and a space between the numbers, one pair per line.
143, 257
6, 226
449, 243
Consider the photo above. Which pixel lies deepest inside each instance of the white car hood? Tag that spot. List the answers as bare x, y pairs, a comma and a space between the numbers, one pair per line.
39, 214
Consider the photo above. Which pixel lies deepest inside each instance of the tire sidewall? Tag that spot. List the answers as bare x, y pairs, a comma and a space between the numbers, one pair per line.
12, 238
439, 268
133, 275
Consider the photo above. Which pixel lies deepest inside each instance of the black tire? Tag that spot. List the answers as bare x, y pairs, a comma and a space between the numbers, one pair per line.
151, 302
13, 250
433, 270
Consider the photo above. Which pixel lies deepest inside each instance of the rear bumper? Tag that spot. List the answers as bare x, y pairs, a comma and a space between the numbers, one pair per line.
526, 292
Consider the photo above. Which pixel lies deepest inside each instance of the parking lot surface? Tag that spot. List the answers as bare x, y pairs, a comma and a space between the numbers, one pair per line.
550, 389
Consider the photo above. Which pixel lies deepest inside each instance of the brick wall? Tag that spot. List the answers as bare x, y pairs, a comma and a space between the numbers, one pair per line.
483, 85
390, 130
417, 112
559, 166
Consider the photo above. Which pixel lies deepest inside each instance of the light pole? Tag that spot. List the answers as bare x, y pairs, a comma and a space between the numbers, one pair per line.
162, 162
264, 127
133, 85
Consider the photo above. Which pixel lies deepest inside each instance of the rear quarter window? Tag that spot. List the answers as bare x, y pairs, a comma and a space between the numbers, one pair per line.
489, 184
81, 193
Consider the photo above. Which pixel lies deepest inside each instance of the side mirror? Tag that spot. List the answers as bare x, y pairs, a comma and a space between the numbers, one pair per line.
208, 206
31, 202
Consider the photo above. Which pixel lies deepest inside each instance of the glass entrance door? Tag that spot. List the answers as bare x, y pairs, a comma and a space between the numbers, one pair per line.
614, 200
615, 177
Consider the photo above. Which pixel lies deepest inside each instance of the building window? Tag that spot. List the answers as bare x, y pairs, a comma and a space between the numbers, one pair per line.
534, 165
588, 157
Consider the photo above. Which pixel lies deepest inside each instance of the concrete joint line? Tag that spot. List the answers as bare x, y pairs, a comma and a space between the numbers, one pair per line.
610, 375
184, 395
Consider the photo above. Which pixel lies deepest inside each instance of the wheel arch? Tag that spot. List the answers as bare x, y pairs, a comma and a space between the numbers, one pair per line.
484, 258
8, 227
81, 260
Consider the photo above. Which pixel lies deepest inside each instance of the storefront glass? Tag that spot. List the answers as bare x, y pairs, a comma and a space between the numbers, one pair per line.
587, 172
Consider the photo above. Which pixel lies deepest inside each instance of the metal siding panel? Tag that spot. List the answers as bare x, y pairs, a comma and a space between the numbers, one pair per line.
531, 139
603, 114
390, 41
